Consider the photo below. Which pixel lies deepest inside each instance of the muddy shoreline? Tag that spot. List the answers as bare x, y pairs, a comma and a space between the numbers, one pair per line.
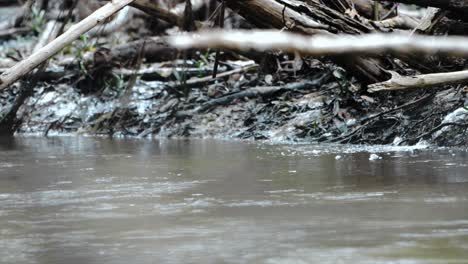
306, 99
322, 113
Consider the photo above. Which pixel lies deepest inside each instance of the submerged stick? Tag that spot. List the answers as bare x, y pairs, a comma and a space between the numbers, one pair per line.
27, 65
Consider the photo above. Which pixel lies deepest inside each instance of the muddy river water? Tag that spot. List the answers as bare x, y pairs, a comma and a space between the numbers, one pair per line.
90, 200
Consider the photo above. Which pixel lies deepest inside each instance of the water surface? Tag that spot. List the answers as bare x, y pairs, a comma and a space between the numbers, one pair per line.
91, 200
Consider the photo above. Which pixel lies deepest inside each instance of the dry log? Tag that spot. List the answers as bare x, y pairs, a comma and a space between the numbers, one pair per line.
55, 46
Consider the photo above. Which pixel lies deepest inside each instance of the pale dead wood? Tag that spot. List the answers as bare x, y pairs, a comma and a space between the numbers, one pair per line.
367, 44
398, 82
25, 66
49, 33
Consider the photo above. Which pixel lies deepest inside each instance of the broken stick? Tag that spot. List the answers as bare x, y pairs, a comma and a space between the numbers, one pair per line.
398, 82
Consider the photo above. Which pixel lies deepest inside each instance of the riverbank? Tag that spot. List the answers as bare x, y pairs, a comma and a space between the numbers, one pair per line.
269, 96
319, 108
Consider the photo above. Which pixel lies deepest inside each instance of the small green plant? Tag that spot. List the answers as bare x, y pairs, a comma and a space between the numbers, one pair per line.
37, 20
202, 62
116, 83
82, 46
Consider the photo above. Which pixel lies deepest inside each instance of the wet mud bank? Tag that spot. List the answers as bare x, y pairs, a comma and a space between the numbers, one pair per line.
109, 86
320, 108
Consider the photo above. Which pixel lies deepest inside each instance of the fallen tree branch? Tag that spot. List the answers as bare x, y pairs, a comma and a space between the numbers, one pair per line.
398, 82
367, 44
27, 65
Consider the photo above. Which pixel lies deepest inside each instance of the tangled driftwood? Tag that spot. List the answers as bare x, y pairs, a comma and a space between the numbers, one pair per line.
357, 37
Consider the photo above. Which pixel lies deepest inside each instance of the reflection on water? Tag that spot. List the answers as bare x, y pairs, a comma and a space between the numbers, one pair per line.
90, 200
